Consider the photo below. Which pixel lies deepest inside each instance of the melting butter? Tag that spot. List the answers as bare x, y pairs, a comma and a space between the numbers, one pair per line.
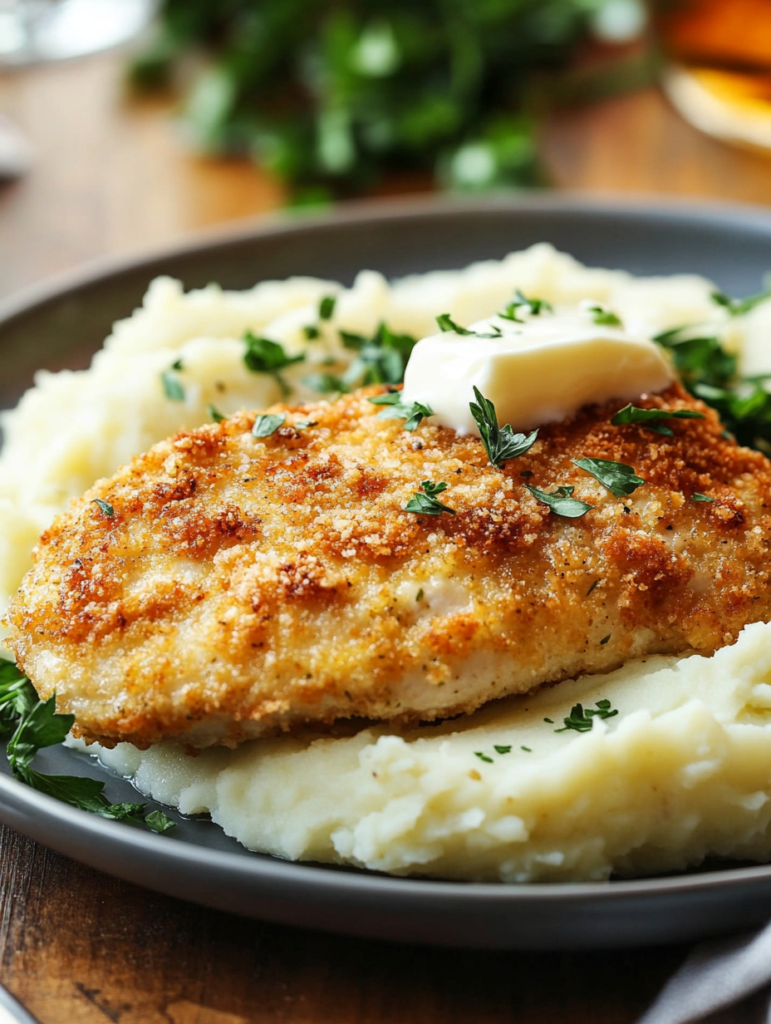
539, 370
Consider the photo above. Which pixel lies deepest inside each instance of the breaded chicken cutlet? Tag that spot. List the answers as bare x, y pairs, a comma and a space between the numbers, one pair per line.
230, 586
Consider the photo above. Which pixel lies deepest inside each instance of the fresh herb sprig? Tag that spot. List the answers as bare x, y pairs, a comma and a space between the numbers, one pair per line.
650, 418
710, 372
267, 423
604, 317
561, 501
32, 725
426, 502
412, 412
738, 307
265, 356
380, 359
619, 478
580, 718
104, 507
501, 443
327, 307
172, 385
326, 383
448, 326
521, 304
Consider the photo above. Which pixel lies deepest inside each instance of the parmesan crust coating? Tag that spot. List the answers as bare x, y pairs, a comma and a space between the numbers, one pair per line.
245, 586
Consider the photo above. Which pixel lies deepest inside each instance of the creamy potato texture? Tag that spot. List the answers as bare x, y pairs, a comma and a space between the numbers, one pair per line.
683, 771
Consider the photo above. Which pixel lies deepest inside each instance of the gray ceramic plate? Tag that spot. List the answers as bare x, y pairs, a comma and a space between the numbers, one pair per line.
62, 324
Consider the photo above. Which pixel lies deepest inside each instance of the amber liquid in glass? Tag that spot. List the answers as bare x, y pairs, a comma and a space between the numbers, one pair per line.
718, 71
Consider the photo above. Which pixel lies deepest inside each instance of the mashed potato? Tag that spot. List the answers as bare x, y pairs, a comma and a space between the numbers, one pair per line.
681, 772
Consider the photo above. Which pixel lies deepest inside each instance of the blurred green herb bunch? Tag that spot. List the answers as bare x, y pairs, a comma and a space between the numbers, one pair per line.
333, 95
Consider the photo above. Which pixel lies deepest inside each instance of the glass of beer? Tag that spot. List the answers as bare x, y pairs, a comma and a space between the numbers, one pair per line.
718, 65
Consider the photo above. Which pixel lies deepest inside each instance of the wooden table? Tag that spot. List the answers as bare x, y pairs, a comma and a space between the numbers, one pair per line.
77, 946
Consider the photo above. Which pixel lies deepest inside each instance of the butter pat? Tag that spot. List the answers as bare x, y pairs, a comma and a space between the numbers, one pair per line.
537, 371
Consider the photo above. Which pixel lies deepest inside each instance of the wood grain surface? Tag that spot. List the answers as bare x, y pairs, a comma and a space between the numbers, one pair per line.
114, 176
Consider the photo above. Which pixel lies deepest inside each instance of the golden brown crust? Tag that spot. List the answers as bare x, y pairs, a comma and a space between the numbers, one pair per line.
247, 584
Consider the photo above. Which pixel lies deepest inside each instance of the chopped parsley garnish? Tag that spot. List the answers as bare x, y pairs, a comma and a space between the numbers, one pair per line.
604, 317
215, 414
172, 387
649, 417
501, 443
596, 583
327, 307
533, 306
483, 757
380, 359
33, 724
549, 720
446, 324
604, 640
708, 371
700, 497
325, 383
419, 595
412, 413
304, 424
427, 503
561, 501
619, 478
527, 750
267, 424
104, 507
311, 332
265, 356
500, 749
580, 718
737, 307
698, 359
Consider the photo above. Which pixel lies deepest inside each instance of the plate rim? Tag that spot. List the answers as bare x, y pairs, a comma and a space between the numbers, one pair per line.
282, 223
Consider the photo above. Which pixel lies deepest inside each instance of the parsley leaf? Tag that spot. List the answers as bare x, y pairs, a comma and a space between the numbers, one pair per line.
172, 388
311, 332
35, 725
619, 478
381, 359
265, 356
737, 307
215, 414
325, 383
561, 502
267, 424
697, 358
533, 306
500, 749
501, 443
700, 497
327, 307
104, 507
427, 503
604, 317
580, 718
483, 757
446, 324
649, 417
413, 412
